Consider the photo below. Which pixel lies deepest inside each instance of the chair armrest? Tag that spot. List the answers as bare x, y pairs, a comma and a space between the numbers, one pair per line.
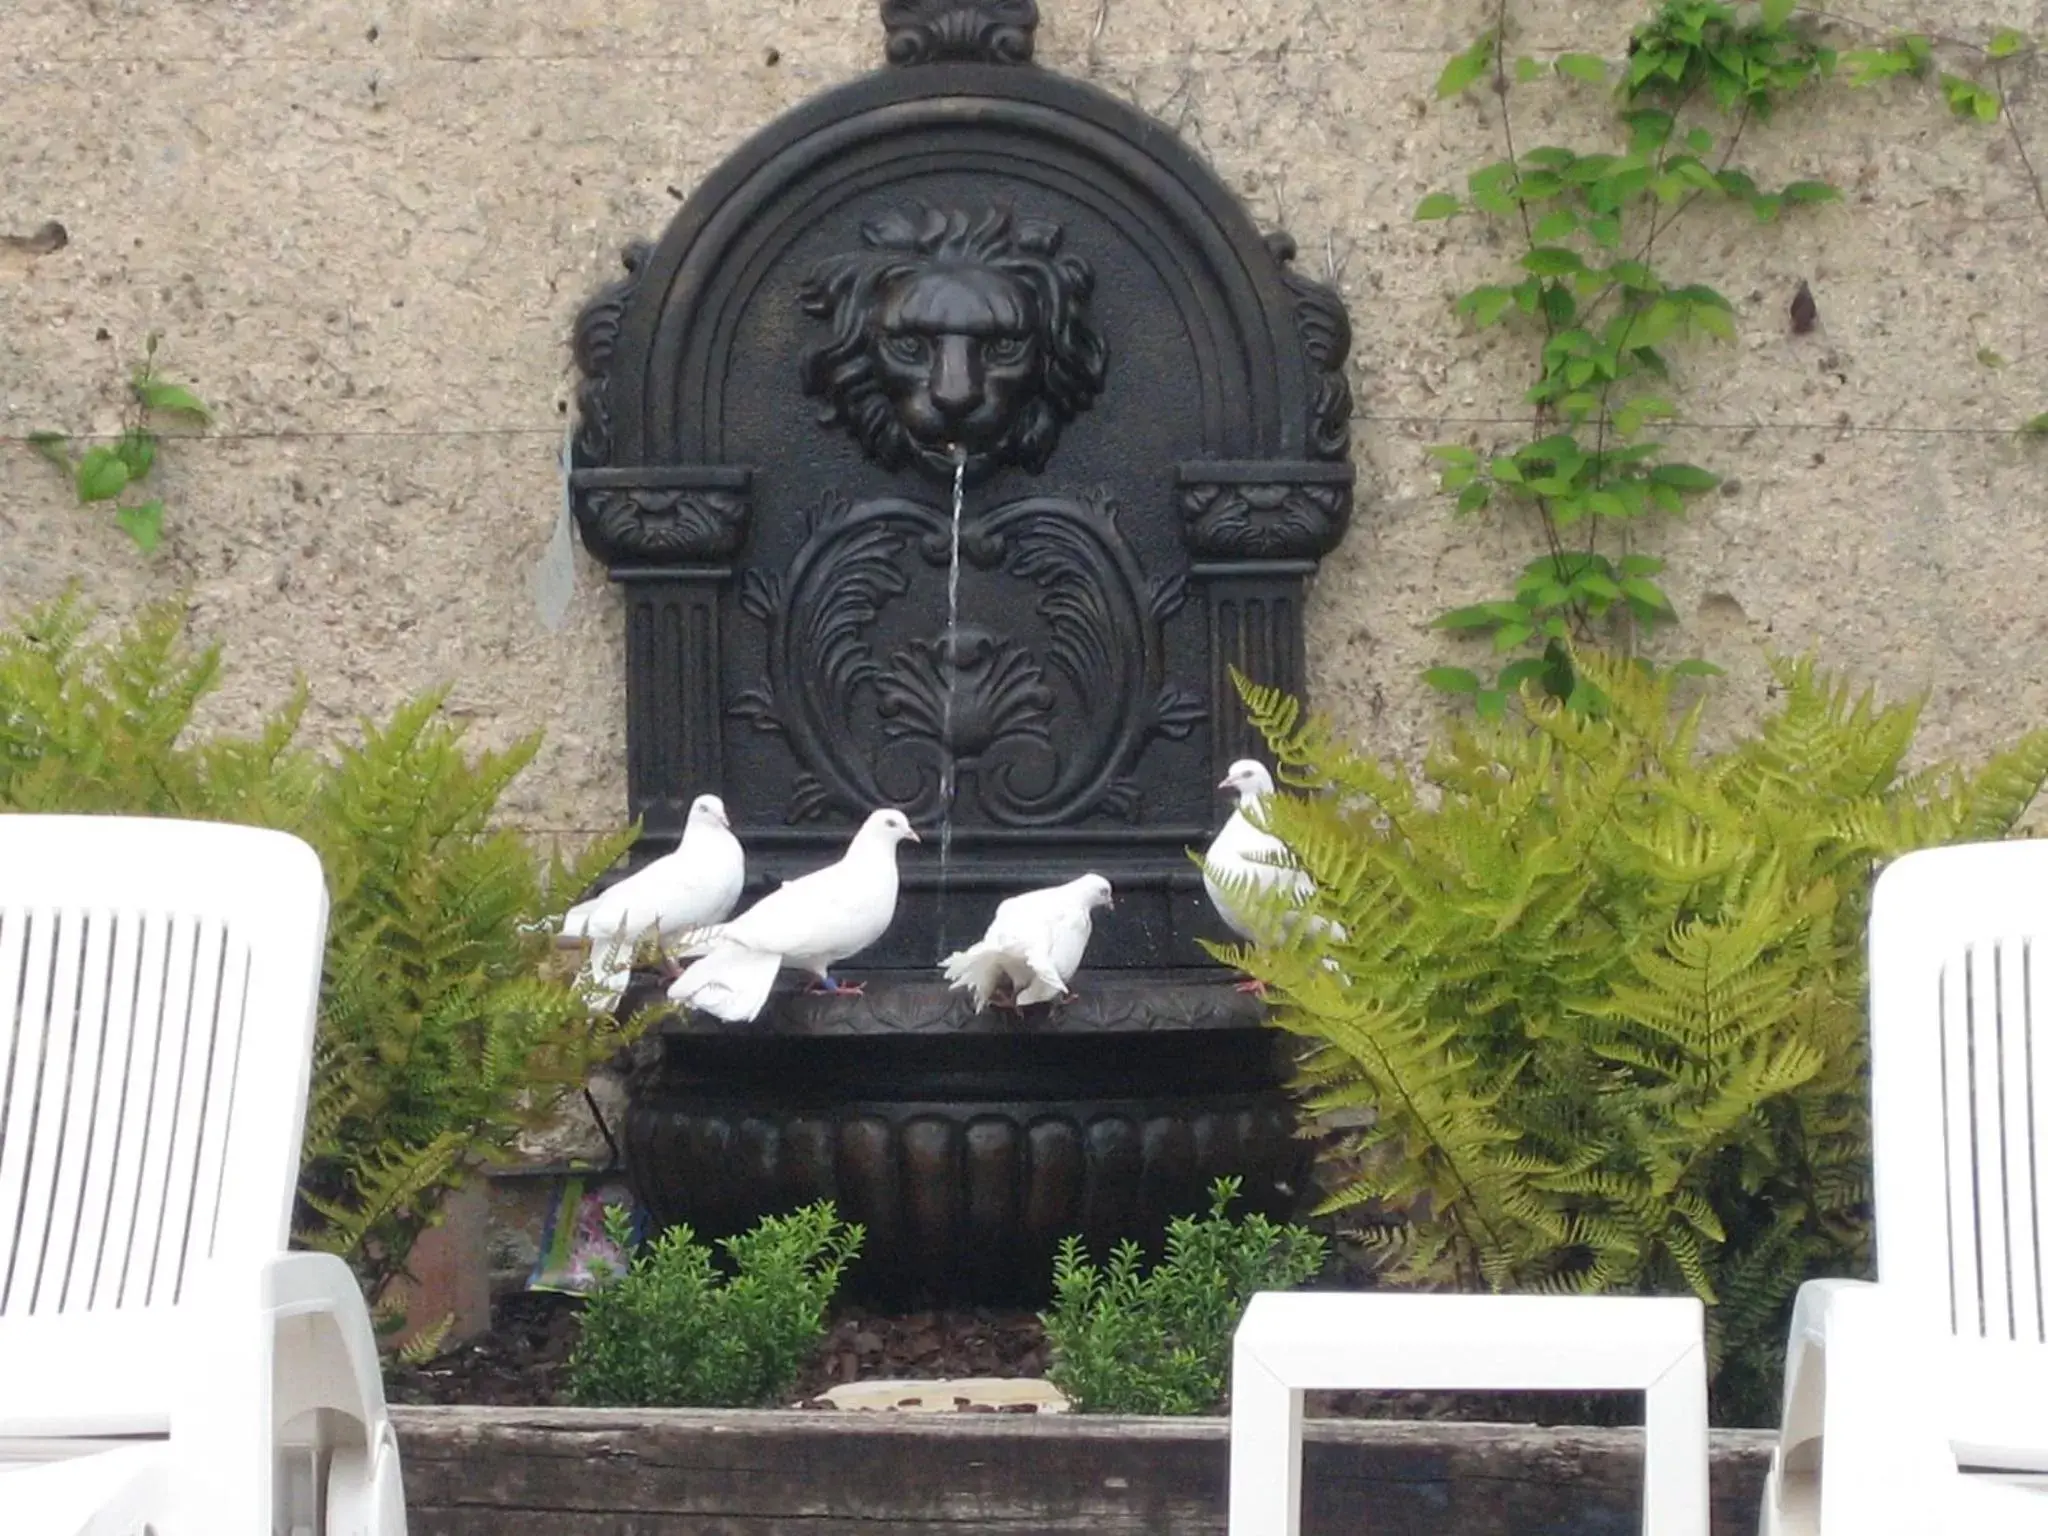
270, 1342
1863, 1387
323, 1335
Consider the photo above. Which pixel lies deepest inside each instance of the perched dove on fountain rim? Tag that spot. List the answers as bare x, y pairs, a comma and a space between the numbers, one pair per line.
1035, 943
810, 924
673, 898
1241, 852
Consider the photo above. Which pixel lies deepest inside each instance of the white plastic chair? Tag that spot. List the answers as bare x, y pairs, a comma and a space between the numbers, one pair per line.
1920, 1403
165, 1365
1291, 1342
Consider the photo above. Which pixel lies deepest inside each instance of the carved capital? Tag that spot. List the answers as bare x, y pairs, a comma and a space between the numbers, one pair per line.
663, 515
1264, 511
977, 31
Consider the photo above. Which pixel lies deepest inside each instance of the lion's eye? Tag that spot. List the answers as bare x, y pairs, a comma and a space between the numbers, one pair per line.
906, 349
1006, 349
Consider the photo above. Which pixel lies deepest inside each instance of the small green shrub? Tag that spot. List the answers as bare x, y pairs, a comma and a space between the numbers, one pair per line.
1126, 1342
440, 1039
676, 1332
1600, 995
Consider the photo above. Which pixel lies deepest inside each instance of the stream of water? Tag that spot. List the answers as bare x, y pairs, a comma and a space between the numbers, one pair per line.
948, 767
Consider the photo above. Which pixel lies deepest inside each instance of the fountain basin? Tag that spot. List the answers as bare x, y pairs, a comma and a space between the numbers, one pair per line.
968, 1144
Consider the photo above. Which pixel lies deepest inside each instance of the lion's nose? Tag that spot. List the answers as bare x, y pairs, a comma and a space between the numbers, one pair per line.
956, 382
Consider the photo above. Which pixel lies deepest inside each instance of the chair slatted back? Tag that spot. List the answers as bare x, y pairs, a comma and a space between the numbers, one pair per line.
1959, 1085
158, 988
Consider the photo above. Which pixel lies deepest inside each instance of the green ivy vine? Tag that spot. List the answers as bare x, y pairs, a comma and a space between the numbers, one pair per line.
109, 472
1596, 290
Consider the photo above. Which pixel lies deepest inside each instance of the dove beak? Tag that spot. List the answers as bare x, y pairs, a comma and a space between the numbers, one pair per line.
1228, 784
911, 833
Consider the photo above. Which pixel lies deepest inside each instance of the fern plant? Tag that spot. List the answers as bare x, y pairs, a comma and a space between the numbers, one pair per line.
440, 1036
1598, 993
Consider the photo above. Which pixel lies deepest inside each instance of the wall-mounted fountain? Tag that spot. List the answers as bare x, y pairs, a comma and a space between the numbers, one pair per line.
964, 270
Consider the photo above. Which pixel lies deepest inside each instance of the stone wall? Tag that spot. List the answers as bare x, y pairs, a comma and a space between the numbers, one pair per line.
363, 230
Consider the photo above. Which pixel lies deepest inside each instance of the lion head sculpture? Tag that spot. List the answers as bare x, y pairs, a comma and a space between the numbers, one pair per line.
952, 333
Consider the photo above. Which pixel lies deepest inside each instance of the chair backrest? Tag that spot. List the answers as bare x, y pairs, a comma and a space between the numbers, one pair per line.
158, 988
1959, 1116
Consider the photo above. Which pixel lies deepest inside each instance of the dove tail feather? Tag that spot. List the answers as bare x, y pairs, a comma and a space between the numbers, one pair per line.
980, 968
731, 982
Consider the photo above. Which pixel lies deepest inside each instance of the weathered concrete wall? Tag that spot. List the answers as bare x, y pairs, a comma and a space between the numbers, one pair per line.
363, 230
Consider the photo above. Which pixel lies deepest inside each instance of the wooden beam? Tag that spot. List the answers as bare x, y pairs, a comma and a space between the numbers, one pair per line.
630, 1472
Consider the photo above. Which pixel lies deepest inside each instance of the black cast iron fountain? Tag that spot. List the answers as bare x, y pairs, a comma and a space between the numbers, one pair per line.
964, 329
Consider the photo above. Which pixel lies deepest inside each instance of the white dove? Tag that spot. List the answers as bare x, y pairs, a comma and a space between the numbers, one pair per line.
692, 888
810, 924
1241, 852
1035, 943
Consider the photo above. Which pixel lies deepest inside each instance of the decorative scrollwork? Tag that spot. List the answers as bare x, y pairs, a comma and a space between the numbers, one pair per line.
1042, 727
951, 329
980, 31
1325, 329
595, 339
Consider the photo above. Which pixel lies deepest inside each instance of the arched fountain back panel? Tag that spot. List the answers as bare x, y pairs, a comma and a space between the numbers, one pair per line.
964, 276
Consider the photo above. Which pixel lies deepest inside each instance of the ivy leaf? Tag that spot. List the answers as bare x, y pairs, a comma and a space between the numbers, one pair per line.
175, 399
1647, 598
1552, 261
1474, 496
1606, 231
1588, 67
1694, 667
1558, 224
137, 450
1777, 12
1508, 636
100, 475
1516, 673
51, 446
1457, 680
1487, 306
1465, 68
2006, 43
1684, 477
1475, 616
1454, 453
2035, 426
1491, 703
1966, 98
1559, 307
144, 524
1527, 71
1438, 205
1810, 192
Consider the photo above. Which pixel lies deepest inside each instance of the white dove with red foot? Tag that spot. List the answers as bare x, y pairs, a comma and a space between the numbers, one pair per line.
1243, 854
673, 898
810, 924
1034, 944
